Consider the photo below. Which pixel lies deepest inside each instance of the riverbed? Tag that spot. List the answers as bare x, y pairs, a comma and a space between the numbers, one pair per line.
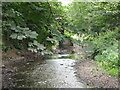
55, 71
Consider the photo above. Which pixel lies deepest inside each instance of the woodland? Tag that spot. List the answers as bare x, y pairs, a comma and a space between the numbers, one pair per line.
42, 27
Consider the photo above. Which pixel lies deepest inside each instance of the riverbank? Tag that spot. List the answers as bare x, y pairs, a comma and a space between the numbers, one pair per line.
95, 76
88, 71
9, 59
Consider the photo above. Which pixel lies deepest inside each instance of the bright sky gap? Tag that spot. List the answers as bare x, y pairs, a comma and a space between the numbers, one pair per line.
65, 2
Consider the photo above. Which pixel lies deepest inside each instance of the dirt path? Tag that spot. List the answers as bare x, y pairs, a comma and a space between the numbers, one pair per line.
93, 75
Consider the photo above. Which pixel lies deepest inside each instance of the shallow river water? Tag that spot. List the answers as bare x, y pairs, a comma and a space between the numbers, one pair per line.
55, 71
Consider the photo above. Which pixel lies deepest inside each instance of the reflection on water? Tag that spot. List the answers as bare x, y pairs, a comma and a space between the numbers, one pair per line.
55, 72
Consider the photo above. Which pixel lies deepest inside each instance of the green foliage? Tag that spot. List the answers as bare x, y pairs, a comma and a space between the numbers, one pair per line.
106, 39
107, 44
6, 48
22, 33
89, 48
93, 17
32, 26
41, 26
35, 46
110, 56
97, 25
113, 72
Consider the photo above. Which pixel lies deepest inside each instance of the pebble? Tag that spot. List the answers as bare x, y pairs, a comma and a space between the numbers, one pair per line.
27, 63
3, 66
10, 71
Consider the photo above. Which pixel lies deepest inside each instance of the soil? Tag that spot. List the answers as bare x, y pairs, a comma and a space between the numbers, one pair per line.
95, 76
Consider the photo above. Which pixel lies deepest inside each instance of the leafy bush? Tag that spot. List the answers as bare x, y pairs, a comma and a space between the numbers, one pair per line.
107, 44
113, 71
27, 26
22, 33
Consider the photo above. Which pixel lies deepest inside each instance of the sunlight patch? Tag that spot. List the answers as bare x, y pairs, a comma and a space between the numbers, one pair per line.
65, 2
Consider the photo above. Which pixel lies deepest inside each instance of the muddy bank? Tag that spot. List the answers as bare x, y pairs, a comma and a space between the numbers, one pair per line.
8, 62
95, 76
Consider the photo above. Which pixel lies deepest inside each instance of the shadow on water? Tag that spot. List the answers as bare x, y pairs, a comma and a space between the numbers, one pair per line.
55, 71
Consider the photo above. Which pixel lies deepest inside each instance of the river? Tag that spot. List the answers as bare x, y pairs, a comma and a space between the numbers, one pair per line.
55, 71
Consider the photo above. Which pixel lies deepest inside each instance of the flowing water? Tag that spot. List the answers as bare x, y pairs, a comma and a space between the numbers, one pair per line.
55, 71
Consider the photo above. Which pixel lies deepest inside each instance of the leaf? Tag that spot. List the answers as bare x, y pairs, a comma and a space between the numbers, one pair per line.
13, 36
31, 49
31, 34
11, 13
36, 43
26, 29
41, 47
21, 37
30, 44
